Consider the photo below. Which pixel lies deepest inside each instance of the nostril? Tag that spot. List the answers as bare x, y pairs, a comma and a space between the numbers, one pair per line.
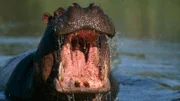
92, 5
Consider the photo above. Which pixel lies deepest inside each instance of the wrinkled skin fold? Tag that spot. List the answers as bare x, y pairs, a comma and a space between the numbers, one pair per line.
72, 61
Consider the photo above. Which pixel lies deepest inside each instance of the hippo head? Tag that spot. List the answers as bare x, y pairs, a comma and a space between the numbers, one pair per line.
73, 55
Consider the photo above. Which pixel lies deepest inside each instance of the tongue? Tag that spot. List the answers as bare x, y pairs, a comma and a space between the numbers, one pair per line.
78, 62
77, 69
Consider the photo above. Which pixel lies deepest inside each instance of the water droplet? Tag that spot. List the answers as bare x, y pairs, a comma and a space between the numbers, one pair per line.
98, 97
70, 97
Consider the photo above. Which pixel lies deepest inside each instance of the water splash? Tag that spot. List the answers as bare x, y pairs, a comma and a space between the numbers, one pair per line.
108, 96
99, 97
113, 46
70, 97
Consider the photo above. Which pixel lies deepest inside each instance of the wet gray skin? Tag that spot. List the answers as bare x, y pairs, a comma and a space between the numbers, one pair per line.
42, 82
76, 18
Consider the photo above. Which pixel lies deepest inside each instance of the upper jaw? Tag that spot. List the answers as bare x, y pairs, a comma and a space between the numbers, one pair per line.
77, 18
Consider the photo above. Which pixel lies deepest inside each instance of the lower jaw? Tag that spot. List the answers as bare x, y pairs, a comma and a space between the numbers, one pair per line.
104, 89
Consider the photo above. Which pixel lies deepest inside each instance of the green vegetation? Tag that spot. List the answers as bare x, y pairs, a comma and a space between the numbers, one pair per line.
157, 19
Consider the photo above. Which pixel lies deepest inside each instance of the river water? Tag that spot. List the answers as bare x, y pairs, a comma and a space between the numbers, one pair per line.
146, 70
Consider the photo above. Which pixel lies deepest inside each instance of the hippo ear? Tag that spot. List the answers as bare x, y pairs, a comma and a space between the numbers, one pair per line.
46, 17
59, 11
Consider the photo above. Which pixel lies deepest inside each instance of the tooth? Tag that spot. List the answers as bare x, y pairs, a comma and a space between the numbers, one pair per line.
84, 44
87, 50
56, 82
78, 43
100, 72
61, 71
70, 39
105, 69
98, 43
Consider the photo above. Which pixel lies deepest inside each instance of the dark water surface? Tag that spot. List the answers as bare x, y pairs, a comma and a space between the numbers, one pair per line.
146, 70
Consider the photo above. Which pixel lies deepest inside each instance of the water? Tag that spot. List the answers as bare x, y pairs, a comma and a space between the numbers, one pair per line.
146, 70
2, 95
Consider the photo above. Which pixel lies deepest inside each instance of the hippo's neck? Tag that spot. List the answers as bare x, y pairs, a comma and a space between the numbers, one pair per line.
46, 44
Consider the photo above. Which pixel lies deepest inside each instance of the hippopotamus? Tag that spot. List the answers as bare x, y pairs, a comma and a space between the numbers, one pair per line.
71, 62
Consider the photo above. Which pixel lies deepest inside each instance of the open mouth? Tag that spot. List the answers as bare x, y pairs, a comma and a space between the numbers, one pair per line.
84, 65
